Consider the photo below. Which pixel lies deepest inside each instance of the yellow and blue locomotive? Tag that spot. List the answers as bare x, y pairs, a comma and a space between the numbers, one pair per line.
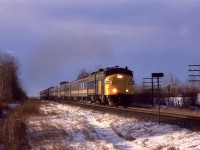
113, 86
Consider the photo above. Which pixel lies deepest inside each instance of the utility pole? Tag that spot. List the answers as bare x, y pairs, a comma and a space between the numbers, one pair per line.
148, 85
158, 75
168, 92
194, 75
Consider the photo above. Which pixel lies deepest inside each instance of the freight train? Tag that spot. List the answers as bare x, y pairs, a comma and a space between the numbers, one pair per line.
111, 86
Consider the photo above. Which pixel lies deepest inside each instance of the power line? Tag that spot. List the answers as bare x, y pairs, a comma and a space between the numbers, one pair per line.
194, 75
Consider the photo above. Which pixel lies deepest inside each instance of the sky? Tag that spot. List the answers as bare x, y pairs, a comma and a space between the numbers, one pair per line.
54, 39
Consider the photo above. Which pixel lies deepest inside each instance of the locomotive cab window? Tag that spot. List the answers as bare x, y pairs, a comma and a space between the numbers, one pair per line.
118, 71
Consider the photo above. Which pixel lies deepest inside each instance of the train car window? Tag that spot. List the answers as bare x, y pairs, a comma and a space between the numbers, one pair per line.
82, 85
91, 85
85, 85
67, 88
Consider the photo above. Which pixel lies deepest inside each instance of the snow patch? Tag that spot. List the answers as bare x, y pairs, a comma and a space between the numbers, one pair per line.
69, 127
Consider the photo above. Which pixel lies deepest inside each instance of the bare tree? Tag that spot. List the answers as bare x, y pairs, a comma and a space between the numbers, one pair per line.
10, 85
83, 73
98, 67
171, 85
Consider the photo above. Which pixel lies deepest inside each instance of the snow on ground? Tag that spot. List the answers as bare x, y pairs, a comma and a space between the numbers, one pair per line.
70, 127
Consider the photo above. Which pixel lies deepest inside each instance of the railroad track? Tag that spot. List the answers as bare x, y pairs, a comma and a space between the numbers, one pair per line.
185, 120
141, 110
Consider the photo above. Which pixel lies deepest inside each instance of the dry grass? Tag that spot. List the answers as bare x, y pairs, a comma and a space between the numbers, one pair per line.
172, 148
28, 108
13, 133
178, 110
161, 147
13, 127
127, 136
185, 111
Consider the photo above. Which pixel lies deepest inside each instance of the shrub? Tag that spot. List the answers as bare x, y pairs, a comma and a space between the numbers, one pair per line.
13, 128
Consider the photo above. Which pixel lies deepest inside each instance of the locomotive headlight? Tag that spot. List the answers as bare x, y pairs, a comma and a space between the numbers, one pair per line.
114, 91
119, 76
126, 90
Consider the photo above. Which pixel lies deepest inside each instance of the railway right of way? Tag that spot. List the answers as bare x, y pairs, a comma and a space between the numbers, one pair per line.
146, 114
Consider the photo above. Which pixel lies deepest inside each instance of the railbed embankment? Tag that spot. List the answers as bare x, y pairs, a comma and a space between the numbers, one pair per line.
182, 117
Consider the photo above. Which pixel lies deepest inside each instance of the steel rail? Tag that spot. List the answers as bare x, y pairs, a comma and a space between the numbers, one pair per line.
144, 111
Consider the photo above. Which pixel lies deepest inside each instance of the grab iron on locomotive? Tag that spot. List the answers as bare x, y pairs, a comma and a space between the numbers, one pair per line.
111, 86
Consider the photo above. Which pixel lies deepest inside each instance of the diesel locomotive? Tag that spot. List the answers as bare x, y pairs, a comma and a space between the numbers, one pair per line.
111, 86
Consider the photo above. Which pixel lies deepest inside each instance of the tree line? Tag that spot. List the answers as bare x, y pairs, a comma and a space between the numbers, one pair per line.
10, 83
171, 87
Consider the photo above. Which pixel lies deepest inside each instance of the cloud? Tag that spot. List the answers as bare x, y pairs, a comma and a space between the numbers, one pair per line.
64, 53
10, 52
54, 39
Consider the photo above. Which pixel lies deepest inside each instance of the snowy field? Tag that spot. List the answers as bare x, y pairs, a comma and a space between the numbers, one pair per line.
68, 127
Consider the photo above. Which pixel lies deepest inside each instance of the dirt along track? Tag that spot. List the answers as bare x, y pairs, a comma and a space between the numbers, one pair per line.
180, 118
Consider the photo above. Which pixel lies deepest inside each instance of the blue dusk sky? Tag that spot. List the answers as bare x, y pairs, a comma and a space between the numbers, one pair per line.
54, 39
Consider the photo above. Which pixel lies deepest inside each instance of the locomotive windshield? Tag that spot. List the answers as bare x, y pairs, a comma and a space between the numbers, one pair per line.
118, 71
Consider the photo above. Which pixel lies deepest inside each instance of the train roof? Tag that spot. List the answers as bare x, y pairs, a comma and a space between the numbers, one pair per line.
118, 70
64, 82
112, 68
110, 71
